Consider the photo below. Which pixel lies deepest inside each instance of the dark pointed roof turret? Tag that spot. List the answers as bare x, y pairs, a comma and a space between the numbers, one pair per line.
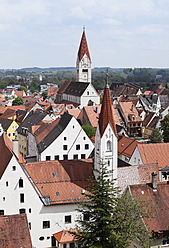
83, 48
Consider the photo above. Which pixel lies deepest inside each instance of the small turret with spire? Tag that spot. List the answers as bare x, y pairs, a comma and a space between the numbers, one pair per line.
106, 136
83, 63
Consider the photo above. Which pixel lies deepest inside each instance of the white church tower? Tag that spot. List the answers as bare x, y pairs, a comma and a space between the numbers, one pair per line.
106, 137
83, 63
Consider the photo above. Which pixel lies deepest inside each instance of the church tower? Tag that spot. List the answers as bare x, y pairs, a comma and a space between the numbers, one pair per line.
83, 63
106, 137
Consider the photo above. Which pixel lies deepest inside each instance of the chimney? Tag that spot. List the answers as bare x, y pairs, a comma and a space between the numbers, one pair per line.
15, 145
154, 181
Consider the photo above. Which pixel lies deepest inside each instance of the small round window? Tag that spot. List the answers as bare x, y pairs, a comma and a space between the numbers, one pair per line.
41, 238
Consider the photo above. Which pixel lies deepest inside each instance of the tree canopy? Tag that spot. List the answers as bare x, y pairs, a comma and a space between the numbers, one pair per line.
156, 136
109, 219
18, 101
165, 128
90, 131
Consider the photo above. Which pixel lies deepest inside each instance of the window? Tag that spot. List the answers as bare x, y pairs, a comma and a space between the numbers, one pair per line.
30, 210
108, 162
55, 174
22, 211
1, 212
86, 146
72, 245
84, 70
56, 157
65, 138
86, 217
83, 156
58, 193
41, 238
46, 224
138, 161
77, 147
75, 156
29, 225
14, 168
134, 160
65, 157
64, 245
87, 92
64, 147
68, 219
9, 134
13, 134
108, 145
7, 184
20, 183
3, 198
47, 158
21, 198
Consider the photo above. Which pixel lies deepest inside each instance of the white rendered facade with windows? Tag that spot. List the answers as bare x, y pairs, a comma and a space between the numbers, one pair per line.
106, 150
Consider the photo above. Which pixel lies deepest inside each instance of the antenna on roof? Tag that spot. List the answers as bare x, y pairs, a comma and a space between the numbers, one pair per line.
107, 84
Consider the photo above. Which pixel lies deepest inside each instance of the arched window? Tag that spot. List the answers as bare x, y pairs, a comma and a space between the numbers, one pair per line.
109, 146
20, 183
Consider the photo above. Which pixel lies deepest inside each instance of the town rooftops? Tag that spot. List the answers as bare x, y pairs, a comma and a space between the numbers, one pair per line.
159, 201
76, 88
57, 129
83, 48
129, 110
14, 231
126, 146
52, 178
65, 236
152, 153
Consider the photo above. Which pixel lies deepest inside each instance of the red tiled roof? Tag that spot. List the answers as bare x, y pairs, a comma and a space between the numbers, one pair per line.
64, 86
14, 231
71, 175
83, 49
159, 201
129, 109
52, 91
44, 129
74, 112
20, 93
152, 153
65, 236
126, 146
106, 114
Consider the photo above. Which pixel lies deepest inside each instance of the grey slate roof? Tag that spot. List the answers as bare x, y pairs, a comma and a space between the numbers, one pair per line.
32, 119
76, 88
55, 132
5, 123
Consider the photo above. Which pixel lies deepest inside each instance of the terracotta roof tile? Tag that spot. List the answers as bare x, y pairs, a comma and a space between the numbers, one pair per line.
55, 176
83, 48
65, 236
52, 91
152, 153
20, 93
159, 201
74, 112
14, 231
126, 146
129, 109
106, 114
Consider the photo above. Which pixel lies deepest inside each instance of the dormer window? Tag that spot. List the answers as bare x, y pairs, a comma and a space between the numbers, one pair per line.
109, 146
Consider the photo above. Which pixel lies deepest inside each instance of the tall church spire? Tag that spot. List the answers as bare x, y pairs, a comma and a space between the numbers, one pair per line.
106, 114
83, 64
106, 137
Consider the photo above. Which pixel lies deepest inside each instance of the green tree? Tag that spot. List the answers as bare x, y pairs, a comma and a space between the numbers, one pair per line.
110, 220
44, 94
89, 130
22, 88
18, 101
165, 128
156, 136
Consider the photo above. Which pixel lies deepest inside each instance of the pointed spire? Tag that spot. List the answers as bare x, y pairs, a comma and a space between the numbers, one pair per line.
106, 114
83, 49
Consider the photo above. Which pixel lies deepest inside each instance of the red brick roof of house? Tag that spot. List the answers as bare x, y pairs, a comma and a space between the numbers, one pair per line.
152, 153
52, 91
83, 48
159, 201
106, 114
20, 93
65, 236
74, 112
14, 231
126, 146
54, 176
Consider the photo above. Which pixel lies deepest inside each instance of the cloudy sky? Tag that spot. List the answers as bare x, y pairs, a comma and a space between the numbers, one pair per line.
120, 33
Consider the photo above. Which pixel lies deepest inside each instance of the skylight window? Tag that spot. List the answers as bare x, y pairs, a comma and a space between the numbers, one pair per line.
55, 174
58, 193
